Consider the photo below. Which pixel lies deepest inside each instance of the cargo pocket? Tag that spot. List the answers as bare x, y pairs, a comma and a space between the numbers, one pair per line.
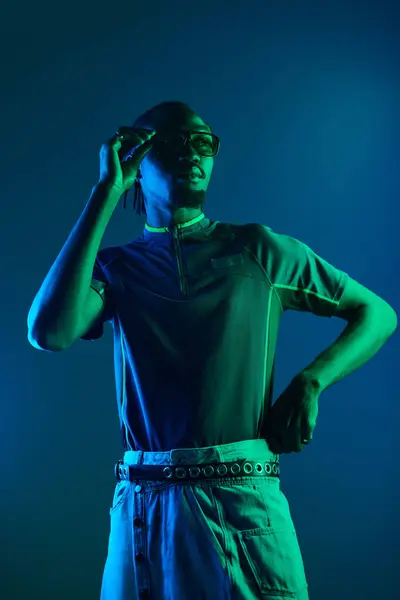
275, 560
120, 492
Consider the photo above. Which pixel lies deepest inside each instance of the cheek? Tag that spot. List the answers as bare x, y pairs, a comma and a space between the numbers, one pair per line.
154, 174
150, 167
208, 175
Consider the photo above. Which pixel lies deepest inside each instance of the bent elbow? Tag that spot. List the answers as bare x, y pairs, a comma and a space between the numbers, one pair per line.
41, 343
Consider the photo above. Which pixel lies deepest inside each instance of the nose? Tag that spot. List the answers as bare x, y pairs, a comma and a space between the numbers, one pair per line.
187, 152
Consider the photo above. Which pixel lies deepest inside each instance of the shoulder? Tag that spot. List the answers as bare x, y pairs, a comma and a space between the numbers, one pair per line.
248, 231
258, 237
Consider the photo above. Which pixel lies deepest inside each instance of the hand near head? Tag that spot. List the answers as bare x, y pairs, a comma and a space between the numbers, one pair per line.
121, 155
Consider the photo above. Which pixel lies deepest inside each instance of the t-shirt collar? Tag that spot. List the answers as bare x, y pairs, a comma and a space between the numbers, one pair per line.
197, 224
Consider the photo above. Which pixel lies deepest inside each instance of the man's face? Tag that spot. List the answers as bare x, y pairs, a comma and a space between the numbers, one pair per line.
174, 172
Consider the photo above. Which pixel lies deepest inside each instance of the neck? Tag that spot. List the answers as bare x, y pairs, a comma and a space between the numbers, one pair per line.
181, 208
159, 218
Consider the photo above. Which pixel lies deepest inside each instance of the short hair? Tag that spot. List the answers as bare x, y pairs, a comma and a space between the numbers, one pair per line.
143, 121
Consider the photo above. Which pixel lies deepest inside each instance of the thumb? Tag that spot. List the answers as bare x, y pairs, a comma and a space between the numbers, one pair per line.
307, 430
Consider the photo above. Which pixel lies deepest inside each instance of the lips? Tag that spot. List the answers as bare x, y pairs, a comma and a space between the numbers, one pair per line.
195, 171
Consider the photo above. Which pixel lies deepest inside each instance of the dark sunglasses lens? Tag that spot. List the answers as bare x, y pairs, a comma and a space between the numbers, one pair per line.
205, 143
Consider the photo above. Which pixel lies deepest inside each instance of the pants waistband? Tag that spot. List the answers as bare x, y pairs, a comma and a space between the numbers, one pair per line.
247, 458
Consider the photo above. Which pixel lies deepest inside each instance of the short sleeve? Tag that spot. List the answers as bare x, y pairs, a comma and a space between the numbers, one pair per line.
303, 280
102, 287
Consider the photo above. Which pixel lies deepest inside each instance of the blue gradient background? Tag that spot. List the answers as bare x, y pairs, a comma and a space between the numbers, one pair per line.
305, 98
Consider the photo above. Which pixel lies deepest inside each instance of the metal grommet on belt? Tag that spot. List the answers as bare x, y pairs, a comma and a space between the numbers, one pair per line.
221, 470
117, 469
268, 468
235, 469
208, 470
168, 472
248, 468
258, 468
194, 471
180, 472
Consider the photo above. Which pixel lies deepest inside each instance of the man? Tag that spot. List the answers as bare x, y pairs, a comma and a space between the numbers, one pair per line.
195, 307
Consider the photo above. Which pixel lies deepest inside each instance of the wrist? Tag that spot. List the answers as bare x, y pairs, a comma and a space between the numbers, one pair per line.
311, 379
109, 187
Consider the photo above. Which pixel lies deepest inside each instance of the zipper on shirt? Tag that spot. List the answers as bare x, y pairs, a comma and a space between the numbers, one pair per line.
179, 261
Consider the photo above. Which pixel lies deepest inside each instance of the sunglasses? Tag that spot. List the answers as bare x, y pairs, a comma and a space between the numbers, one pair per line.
206, 144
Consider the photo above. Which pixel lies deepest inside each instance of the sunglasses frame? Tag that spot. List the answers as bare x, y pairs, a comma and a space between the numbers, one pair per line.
186, 135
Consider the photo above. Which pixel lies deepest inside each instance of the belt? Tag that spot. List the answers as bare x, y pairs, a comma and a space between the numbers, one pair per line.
242, 468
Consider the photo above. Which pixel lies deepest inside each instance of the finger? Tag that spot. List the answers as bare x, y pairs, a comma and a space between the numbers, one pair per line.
138, 152
136, 147
120, 142
290, 440
289, 435
308, 429
132, 134
297, 438
131, 138
114, 142
275, 444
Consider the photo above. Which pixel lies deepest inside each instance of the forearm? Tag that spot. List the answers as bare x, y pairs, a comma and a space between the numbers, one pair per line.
359, 342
